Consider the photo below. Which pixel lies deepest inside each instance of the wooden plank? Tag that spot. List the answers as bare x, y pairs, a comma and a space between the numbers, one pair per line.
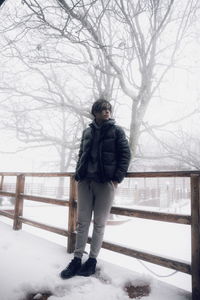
195, 232
6, 214
72, 216
46, 199
38, 174
19, 202
54, 174
155, 259
129, 174
162, 174
43, 226
1, 183
12, 211
158, 216
9, 173
9, 194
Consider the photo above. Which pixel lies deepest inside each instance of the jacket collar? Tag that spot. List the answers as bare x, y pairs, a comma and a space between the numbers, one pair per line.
105, 124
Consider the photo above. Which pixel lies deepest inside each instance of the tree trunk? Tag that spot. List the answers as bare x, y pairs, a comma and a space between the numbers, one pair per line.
134, 129
139, 107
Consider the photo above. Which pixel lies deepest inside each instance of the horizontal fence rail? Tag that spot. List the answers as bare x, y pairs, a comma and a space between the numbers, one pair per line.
44, 226
46, 200
155, 259
193, 220
151, 215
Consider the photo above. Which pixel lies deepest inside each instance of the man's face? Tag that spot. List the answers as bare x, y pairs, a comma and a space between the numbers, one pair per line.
103, 115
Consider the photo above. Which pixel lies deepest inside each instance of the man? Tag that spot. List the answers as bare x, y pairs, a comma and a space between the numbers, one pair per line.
104, 157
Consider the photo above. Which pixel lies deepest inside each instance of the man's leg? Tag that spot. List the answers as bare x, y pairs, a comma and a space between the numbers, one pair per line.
85, 205
103, 199
84, 214
104, 196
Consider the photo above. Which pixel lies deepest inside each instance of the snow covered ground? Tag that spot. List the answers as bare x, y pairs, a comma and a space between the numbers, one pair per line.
30, 264
167, 239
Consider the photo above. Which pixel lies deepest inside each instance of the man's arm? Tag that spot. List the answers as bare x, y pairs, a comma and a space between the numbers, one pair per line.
79, 157
123, 155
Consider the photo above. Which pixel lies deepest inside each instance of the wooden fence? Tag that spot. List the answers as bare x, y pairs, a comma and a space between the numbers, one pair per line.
193, 219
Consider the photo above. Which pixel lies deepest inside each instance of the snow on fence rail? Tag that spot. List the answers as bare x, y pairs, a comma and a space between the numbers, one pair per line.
193, 219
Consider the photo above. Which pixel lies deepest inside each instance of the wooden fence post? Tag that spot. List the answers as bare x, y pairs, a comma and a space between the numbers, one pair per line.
195, 232
1, 183
72, 216
18, 201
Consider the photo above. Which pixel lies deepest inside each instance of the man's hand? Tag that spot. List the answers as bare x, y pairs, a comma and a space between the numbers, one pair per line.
115, 183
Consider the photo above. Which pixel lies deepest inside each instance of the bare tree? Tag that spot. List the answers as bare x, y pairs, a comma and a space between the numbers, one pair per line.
127, 40
115, 42
176, 147
44, 115
51, 91
38, 107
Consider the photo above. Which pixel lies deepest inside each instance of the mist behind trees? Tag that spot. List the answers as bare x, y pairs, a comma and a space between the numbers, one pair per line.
58, 57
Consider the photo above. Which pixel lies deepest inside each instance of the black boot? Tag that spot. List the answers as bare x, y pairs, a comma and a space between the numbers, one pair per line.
88, 268
72, 269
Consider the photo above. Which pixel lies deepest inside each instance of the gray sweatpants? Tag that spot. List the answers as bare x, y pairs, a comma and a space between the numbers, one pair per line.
97, 198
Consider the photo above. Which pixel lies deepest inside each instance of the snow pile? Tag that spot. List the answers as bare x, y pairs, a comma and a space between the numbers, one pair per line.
31, 265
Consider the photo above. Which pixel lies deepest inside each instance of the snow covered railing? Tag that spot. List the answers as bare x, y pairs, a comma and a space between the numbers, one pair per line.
193, 219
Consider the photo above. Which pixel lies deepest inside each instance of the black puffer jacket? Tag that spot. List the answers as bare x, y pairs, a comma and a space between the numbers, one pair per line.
113, 152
